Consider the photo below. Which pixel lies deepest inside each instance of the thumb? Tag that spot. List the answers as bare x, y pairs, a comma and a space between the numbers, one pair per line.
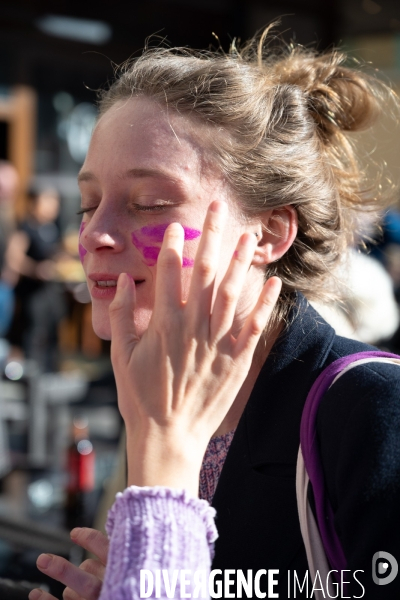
123, 331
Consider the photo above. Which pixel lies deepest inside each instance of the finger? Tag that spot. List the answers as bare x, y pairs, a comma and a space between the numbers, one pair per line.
86, 585
95, 567
206, 263
38, 594
231, 287
258, 318
169, 265
123, 330
93, 541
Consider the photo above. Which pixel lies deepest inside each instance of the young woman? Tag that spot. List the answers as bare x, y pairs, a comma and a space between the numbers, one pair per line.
207, 175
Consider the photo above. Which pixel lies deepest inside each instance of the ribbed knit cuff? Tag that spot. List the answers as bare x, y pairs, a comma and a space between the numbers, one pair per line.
156, 528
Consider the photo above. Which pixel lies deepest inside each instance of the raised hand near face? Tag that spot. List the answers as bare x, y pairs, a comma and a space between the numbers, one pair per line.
177, 382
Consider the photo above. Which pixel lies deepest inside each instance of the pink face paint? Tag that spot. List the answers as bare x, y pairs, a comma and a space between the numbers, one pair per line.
81, 249
146, 238
187, 262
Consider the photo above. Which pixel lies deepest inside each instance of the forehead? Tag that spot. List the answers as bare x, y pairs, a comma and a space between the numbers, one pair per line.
140, 134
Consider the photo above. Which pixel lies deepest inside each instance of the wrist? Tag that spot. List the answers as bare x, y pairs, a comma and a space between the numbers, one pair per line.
163, 456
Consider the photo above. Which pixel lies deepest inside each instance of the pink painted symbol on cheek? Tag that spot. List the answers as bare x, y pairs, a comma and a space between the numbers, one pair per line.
144, 240
81, 249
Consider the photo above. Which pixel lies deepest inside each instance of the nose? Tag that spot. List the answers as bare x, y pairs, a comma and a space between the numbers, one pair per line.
103, 232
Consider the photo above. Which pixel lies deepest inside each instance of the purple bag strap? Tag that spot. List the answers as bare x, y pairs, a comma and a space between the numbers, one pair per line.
312, 459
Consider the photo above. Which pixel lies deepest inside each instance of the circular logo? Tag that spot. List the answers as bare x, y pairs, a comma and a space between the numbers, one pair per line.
384, 568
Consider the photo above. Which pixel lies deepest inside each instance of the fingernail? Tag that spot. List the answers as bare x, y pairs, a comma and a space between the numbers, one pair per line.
75, 532
44, 560
35, 594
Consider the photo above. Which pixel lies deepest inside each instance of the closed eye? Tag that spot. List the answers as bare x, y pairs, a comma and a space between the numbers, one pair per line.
82, 211
155, 207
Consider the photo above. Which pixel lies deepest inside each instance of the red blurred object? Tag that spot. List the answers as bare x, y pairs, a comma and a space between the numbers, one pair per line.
81, 474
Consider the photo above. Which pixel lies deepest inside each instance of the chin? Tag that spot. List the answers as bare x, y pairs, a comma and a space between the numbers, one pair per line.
102, 327
101, 320
102, 330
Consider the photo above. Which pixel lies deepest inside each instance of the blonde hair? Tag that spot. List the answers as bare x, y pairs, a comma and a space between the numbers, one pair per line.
281, 120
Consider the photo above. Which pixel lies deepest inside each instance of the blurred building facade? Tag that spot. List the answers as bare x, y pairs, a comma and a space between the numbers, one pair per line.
55, 57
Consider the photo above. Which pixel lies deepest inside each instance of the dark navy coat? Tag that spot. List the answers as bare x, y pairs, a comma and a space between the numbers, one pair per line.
359, 435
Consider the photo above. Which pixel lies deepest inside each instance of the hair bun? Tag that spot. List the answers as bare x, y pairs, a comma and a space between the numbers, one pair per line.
339, 98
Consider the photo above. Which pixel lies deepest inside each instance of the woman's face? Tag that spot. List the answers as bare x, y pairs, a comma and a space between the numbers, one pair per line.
145, 168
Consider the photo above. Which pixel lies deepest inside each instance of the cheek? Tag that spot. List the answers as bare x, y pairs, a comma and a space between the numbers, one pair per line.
148, 241
81, 249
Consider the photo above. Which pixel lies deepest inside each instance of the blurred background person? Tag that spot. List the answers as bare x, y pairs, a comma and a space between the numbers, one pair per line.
387, 251
368, 311
387, 246
31, 256
8, 188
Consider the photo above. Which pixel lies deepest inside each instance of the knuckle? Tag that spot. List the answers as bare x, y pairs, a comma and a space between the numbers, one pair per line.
214, 226
91, 535
228, 294
205, 268
256, 327
268, 302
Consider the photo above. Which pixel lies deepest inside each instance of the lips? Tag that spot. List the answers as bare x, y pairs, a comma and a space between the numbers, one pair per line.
105, 285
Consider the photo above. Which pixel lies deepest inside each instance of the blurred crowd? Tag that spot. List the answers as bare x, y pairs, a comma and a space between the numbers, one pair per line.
37, 265
58, 406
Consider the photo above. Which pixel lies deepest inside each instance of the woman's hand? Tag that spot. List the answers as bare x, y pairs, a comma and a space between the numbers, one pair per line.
83, 582
176, 384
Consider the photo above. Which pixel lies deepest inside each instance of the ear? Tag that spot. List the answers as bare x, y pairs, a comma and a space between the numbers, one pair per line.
277, 230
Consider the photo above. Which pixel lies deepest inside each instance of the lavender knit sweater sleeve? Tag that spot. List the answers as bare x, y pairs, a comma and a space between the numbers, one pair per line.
158, 528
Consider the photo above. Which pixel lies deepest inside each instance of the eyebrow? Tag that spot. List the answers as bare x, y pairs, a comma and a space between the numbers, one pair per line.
131, 173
